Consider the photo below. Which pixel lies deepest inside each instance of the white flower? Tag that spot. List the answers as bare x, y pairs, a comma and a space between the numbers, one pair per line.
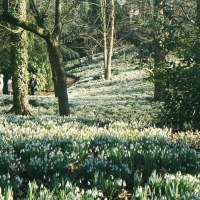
8, 175
57, 174
89, 192
77, 190
100, 194
131, 146
124, 184
119, 182
94, 193
82, 191
68, 185
111, 177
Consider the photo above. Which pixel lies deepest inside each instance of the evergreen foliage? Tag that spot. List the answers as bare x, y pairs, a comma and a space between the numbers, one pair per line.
182, 98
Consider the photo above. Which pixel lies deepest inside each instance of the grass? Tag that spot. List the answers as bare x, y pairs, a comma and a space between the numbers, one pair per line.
109, 148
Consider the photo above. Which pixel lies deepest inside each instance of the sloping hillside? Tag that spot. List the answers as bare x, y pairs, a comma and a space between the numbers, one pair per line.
127, 97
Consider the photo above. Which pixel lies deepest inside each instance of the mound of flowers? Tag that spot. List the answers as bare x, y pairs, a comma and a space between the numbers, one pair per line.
63, 158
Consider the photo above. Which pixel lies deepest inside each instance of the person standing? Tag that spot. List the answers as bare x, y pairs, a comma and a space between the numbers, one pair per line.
33, 84
1, 84
10, 88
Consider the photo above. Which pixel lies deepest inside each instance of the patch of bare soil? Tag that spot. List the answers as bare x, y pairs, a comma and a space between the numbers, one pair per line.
46, 94
70, 82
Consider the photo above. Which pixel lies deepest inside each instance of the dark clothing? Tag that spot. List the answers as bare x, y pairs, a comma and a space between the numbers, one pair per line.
32, 85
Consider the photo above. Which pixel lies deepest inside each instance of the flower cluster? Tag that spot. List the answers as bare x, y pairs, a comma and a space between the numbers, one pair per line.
110, 159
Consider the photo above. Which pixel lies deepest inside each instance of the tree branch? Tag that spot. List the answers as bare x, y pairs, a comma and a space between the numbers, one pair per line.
41, 32
39, 18
186, 15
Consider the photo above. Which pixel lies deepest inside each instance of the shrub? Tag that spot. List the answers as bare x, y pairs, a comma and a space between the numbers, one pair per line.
181, 107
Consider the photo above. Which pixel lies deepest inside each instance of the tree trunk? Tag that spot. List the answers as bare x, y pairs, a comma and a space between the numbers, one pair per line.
54, 79
159, 59
57, 31
198, 14
108, 36
111, 40
197, 43
61, 85
159, 56
103, 19
55, 57
19, 61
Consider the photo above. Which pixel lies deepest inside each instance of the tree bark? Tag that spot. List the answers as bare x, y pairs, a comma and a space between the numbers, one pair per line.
111, 41
56, 32
19, 61
198, 14
103, 19
61, 86
197, 43
108, 36
159, 59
